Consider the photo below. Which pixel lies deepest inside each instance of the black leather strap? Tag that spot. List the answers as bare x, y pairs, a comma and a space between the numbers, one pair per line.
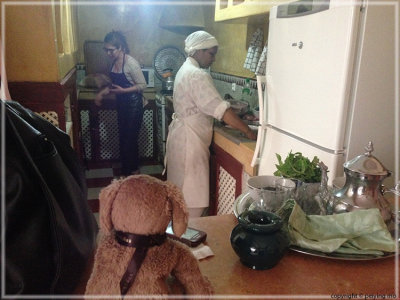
142, 244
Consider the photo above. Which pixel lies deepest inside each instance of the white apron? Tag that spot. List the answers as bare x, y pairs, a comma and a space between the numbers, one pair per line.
196, 104
188, 144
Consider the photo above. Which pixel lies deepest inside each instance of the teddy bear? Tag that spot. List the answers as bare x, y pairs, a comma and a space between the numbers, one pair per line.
134, 256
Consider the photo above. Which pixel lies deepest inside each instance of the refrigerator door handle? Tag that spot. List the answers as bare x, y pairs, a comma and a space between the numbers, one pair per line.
261, 80
260, 141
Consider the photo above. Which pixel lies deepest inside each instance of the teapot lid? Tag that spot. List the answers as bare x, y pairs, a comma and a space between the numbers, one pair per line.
367, 164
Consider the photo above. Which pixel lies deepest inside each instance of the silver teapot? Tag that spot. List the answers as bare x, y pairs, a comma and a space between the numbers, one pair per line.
363, 188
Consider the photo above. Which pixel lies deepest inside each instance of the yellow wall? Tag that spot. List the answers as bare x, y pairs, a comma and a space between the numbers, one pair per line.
32, 39
31, 45
139, 23
234, 37
140, 26
232, 47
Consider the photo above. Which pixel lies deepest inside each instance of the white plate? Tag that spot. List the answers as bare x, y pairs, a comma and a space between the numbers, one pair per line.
253, 127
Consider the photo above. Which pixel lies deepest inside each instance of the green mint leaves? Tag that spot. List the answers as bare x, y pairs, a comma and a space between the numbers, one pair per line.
297, 166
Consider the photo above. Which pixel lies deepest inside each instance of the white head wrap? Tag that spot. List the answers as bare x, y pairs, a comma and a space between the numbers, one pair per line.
199, 40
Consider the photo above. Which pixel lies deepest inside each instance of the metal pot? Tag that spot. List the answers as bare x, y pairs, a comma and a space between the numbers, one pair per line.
168, 80
168, 84
363, 187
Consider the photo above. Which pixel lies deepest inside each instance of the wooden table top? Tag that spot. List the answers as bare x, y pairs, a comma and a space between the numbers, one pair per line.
296, 275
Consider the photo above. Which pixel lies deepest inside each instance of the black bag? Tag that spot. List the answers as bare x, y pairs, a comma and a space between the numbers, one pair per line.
50, 232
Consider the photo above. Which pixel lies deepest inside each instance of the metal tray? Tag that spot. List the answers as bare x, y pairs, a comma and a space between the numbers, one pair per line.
243, 202
342, 256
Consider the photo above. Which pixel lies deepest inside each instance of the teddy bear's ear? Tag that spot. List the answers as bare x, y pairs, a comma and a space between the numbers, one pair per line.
106, 199
179, 211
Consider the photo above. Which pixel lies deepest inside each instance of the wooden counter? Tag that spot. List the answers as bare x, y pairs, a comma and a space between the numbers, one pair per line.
242, 151
295, 275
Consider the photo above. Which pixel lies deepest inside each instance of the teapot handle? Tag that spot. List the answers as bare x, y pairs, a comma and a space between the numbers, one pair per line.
395, 190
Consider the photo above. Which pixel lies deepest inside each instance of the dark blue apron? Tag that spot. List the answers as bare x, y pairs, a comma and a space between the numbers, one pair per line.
130, 117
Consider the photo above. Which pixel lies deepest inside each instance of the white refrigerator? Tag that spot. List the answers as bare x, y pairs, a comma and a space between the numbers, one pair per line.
331, 81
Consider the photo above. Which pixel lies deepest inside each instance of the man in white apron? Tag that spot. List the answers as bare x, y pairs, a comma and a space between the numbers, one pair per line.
196, 103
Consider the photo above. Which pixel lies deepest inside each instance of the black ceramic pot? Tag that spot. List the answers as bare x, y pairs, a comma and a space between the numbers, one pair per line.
258, 239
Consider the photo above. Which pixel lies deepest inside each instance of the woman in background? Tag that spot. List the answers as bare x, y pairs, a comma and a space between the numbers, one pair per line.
128, 84
196, 104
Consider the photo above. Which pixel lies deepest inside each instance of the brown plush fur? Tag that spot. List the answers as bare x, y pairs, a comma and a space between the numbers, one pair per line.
144, 205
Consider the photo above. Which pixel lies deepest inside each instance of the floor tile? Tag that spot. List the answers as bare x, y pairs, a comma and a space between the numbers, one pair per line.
97, 173
151, 169
97, 179
93, 193
96, 182
96, 216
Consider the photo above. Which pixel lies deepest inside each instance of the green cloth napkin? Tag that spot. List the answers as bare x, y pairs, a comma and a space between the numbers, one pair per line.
356, 232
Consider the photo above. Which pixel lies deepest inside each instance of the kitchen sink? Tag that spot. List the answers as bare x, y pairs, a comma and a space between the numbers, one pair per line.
233, 134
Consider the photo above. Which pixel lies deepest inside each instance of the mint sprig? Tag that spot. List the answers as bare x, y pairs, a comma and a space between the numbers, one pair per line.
297, 166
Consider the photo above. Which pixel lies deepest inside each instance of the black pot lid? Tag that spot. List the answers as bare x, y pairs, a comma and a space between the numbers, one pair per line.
168, 58
367, 164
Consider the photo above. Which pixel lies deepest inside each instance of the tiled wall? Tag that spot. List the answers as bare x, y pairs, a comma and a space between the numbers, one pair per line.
223, 83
